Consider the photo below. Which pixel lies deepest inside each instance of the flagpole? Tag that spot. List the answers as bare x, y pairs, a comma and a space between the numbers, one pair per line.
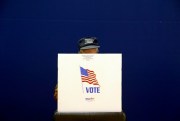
81, 80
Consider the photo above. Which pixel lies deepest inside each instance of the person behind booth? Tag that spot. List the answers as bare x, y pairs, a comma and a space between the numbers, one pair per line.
88, 45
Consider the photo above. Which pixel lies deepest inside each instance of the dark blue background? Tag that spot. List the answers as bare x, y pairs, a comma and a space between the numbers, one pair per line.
33, 32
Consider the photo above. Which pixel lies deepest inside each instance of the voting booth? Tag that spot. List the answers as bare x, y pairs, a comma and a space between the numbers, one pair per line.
89, 87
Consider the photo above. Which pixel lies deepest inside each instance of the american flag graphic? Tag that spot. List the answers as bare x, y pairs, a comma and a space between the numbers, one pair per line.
88, 76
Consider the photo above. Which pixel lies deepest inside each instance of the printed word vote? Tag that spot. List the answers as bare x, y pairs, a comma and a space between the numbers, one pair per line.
93, 89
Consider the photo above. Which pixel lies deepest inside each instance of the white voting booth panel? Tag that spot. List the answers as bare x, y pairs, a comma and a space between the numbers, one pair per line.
89, 82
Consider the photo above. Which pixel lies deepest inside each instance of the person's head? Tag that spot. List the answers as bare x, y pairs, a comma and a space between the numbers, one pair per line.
88, 45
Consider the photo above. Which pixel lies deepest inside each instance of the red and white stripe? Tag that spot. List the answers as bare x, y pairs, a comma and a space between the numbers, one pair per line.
91, 78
